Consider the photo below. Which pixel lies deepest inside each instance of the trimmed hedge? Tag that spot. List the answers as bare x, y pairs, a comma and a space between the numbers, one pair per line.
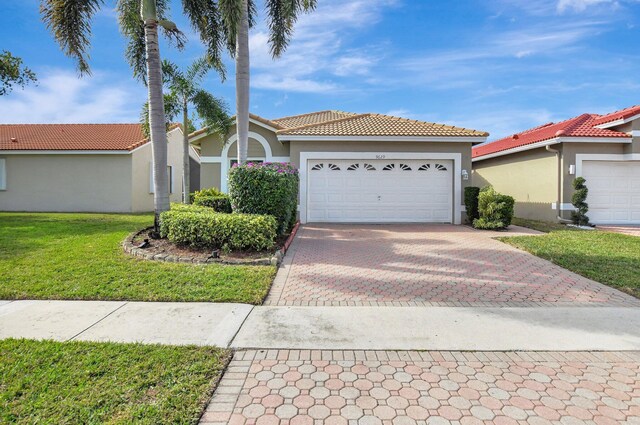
211, 191
471, 202
267, 188
221, 204
495, 210
201, 227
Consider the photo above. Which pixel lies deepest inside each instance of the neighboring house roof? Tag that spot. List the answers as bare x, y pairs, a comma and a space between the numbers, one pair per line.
311, 118
91, 137
580, 126
379, 125
622, 114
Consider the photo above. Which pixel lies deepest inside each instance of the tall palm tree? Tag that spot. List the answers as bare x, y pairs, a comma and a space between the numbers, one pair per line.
237, 16
183, 91
70, 23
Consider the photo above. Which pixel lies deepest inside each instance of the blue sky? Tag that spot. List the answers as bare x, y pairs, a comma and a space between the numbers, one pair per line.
495, 65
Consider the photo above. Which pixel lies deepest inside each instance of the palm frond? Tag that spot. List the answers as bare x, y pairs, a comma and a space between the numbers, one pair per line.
206, 19
281, 17
198, 69
213, 112
70, 23
172, 108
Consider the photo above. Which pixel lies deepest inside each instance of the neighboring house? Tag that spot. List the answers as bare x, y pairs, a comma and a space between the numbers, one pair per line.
82, 167
357, 167
538, 167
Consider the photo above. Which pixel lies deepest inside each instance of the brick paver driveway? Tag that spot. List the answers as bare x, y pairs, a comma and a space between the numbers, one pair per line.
424, 265
401, 388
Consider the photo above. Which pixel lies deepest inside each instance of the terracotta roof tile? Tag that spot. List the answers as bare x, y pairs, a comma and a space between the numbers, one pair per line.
311, 118
580, 126
71, 136
379, 125
618, 115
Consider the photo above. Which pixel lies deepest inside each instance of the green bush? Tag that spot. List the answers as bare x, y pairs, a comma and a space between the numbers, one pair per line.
471, 202
267, 188
495, 210
220, 203
212, 191
578, 200
201, 227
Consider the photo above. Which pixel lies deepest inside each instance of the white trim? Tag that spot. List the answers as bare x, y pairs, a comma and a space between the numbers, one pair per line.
635, 133
563, 207
443, 139
251, 120
603, 157
3, 174
210, 159
618, 122
555, 140
457, 169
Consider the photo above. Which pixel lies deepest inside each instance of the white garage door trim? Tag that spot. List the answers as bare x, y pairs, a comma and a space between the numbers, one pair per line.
455, 157
581, 158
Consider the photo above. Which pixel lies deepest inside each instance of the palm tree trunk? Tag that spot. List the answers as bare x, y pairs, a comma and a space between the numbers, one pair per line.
242, 83
186, 181
156, 111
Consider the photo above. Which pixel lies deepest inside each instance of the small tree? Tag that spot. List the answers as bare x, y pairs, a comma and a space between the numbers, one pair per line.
13, 73
579, 216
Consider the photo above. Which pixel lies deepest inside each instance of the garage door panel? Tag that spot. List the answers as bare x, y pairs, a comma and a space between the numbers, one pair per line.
363, 191
614, 191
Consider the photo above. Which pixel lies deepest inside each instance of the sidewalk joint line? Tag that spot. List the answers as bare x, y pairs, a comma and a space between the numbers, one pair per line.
93, 324
240, 327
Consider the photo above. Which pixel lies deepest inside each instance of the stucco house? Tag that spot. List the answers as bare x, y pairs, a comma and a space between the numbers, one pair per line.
82, 167
538, 166
357, 168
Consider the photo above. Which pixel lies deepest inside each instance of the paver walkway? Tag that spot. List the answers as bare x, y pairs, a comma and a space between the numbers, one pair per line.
626, 230
424, 265
401, 388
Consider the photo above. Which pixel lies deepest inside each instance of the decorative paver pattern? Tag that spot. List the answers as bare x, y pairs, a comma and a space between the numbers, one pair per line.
396, 388
627, 230
416, 265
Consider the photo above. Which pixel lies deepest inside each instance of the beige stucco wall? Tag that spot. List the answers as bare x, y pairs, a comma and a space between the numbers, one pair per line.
142, 159
529, 176
212, 145
62, 182
209, 175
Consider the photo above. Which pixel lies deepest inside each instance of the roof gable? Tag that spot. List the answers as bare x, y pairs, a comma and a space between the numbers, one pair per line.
581, 126
311, 118
621, 115
90, 137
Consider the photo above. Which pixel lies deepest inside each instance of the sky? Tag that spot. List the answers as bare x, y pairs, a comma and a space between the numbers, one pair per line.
496, 65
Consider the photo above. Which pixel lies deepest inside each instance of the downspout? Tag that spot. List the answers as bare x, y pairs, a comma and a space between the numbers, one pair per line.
559, 186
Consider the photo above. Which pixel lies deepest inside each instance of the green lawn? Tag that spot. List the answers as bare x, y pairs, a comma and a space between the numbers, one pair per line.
84, 382
541, 226
609, 258
79, 256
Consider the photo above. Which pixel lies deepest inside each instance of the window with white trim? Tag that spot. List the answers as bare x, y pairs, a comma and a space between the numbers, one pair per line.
3, 174
169, 173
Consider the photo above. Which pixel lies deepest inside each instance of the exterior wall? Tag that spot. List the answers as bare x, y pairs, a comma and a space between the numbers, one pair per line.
194, 174
210, 175
529, 176
67, 183
381, 147
142, 159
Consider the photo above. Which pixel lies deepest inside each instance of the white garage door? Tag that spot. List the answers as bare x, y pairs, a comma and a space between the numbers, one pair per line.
380, 191
614, 191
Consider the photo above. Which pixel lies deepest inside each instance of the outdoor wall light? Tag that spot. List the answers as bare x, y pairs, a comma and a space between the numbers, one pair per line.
465, 175
572, 169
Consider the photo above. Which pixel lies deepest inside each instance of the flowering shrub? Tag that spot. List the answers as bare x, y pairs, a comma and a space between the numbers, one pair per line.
266, 188
201, 227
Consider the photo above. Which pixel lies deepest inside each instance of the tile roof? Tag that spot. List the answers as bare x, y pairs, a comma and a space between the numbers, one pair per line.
376, 125
618, 115
580, 126
120, 137
311, 118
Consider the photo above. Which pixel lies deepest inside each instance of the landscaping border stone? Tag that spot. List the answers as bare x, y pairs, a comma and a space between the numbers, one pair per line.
275, 259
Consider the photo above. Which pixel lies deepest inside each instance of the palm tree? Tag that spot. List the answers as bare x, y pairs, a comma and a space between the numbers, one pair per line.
184, 91
237, 16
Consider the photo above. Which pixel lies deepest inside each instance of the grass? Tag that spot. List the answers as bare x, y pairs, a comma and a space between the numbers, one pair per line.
609, 258
79, 257
541, 226
85, 382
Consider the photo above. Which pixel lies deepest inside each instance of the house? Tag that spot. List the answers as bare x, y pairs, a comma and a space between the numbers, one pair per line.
356, 168
82, 167
537, 167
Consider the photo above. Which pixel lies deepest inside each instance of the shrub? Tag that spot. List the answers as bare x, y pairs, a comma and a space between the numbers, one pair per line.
495, 210
471, 202
578, 200
212, 191
201, 227
267, 188
221, 204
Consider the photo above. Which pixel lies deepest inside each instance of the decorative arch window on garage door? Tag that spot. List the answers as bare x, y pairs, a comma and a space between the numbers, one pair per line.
332, 167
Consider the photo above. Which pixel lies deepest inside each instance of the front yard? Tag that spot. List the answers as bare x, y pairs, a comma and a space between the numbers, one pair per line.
79, 257
83, 382
609, 258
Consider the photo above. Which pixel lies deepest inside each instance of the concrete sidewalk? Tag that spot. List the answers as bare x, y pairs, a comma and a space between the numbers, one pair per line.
332, 328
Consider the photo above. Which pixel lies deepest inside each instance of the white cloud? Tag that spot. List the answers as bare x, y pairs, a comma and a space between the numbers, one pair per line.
581, 5
62, 97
